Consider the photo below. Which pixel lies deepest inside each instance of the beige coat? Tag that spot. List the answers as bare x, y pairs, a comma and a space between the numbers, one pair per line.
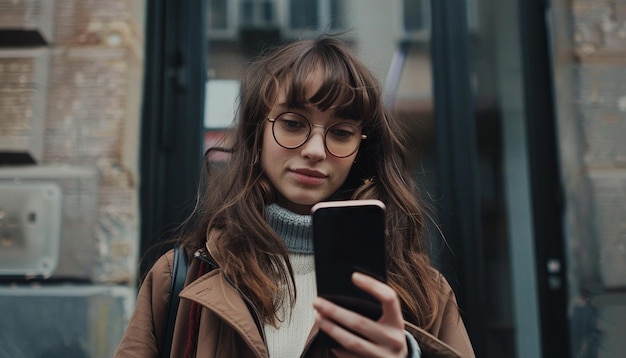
228, 329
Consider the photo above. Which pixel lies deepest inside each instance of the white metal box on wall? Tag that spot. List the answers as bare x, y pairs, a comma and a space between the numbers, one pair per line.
55, 204
30, 228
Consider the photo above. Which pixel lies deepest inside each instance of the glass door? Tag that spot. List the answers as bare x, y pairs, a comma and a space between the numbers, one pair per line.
400, 50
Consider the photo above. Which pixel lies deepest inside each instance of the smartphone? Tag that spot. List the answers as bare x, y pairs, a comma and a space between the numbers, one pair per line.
349, 236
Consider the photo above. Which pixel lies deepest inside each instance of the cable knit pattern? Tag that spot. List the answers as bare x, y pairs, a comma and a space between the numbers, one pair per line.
293, 229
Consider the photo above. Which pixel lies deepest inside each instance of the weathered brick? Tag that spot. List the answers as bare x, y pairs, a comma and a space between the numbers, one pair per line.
600, 90
23, 92
609, 194
600, 28
33, 15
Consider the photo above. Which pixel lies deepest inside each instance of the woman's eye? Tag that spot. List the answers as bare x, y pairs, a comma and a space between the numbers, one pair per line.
290, 123
342, 132
293, 124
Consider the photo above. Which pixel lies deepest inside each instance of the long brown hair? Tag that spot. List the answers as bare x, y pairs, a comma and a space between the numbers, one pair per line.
231, 208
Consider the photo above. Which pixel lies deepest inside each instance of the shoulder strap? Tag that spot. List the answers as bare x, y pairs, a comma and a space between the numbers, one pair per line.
179, 272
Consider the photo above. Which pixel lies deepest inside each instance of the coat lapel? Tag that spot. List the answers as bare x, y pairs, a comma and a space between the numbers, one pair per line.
218, 295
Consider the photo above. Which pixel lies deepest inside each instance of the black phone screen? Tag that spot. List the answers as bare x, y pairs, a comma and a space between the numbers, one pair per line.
349, 236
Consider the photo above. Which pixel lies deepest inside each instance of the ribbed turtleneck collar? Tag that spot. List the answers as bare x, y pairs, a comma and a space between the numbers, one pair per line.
293, 229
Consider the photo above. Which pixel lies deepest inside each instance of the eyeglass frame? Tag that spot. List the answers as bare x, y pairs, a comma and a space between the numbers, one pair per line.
308, 136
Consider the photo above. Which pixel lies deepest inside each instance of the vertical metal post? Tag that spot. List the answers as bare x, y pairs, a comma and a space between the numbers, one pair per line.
173, 112
458, 164
545, 181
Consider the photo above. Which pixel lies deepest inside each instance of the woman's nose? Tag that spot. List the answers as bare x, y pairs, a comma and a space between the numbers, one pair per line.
314, 148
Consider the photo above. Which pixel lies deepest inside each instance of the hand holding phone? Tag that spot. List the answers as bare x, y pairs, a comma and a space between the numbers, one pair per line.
349, 236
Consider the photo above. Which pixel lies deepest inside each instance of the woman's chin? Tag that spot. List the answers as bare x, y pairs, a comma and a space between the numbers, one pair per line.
302, 207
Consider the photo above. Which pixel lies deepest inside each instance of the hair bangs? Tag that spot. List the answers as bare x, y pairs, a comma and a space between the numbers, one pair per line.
322, 78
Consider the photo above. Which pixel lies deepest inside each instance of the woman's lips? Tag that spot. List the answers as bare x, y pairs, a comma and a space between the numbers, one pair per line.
308, 176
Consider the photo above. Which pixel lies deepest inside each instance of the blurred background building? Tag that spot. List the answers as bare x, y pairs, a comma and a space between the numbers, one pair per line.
515, 112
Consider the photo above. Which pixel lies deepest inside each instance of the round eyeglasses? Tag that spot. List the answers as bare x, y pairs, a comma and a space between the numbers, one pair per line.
292, 130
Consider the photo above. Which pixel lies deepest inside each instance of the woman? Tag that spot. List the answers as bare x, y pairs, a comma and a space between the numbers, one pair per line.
311, 127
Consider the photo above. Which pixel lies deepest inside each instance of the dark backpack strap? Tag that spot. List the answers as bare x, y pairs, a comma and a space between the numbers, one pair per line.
179, 272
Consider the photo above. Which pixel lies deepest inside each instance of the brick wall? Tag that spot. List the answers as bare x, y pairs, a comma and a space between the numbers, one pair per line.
70, 96
83, 89
92, 116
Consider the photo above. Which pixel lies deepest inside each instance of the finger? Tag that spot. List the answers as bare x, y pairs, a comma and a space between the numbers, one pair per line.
392, 312
353, 345
358, 333
344, 316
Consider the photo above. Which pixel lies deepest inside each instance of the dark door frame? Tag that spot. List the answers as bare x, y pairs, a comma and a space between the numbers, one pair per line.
457, 157
545, 178
172, 126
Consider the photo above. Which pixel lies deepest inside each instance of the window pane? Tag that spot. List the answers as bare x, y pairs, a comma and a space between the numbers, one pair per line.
303, 14
218, 14
268, 12
338, 14
247, 12
413, 15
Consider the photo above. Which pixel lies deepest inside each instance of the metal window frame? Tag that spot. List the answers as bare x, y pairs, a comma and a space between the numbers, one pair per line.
545, 177
457, 157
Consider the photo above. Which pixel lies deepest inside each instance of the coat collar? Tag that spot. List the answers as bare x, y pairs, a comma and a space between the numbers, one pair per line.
228, 304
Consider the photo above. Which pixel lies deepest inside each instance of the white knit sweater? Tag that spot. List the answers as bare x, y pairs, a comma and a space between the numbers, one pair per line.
295, 230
